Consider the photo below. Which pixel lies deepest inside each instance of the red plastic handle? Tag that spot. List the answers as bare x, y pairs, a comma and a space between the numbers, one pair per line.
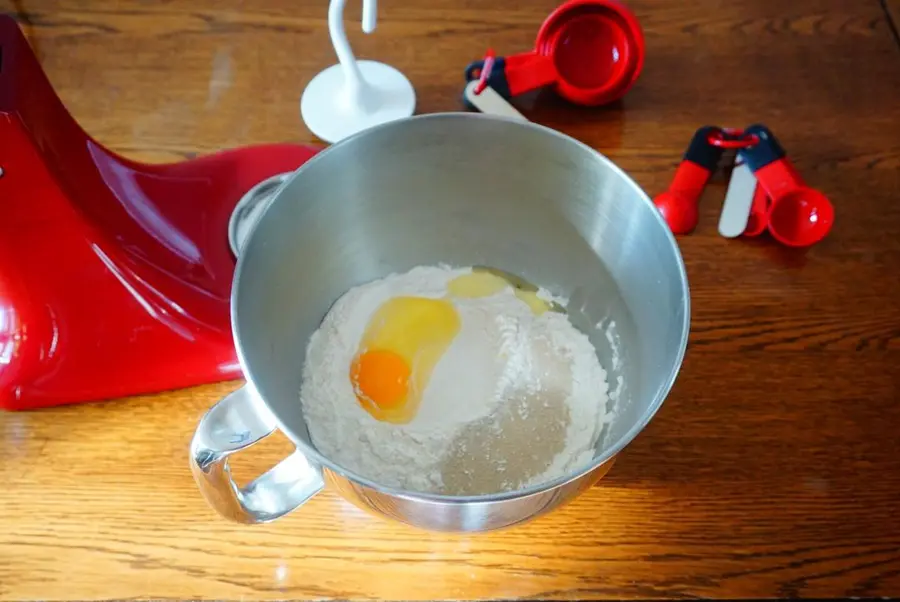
798, 215
529, 71
780, 178
679, 204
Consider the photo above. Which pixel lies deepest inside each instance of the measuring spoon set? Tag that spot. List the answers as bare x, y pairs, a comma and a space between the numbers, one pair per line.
765, 193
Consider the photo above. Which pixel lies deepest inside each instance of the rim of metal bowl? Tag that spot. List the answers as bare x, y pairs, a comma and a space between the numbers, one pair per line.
313, 454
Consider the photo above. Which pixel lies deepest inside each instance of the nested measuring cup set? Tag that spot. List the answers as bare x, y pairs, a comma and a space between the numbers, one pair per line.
590, 51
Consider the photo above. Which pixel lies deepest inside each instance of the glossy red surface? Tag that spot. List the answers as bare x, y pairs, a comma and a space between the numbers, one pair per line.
592, 50
115, 276
758, 220
798, 216
679, 204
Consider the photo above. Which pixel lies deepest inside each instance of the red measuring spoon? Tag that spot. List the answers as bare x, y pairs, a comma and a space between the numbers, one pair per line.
591, 51
679, 203
759, 213
798, 216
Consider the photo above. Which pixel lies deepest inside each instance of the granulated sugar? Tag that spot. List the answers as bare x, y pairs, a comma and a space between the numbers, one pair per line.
518, 398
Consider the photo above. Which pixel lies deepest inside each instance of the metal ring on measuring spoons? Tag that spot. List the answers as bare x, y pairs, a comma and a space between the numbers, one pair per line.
727, 138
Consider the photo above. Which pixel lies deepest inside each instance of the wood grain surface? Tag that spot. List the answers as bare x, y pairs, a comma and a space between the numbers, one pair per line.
892, 8
772, 470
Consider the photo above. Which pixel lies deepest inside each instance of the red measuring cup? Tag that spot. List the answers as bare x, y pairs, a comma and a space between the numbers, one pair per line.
591, 51
797, 216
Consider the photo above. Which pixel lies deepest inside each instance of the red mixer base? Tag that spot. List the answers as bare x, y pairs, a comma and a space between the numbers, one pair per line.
115, 276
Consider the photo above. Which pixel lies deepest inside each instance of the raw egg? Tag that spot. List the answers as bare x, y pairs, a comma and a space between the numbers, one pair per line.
402, 342
476, 284
484, 282
531, 299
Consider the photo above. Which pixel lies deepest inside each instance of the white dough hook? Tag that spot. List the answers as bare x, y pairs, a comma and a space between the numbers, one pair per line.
354, 95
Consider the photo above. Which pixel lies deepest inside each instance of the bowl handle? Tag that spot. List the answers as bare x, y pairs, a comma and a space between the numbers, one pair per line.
233, 424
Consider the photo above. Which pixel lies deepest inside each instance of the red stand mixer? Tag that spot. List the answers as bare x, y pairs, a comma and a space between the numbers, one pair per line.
115, 276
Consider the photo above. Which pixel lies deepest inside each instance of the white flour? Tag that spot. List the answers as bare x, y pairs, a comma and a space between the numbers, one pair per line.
517, 398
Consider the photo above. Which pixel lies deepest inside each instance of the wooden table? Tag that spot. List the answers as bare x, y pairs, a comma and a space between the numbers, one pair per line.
772, 470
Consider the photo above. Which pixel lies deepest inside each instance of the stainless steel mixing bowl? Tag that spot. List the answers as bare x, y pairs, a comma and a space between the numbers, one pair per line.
461, 189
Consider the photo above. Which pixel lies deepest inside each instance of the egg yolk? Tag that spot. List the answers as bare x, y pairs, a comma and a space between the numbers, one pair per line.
407, 336
403, 341
381, 379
